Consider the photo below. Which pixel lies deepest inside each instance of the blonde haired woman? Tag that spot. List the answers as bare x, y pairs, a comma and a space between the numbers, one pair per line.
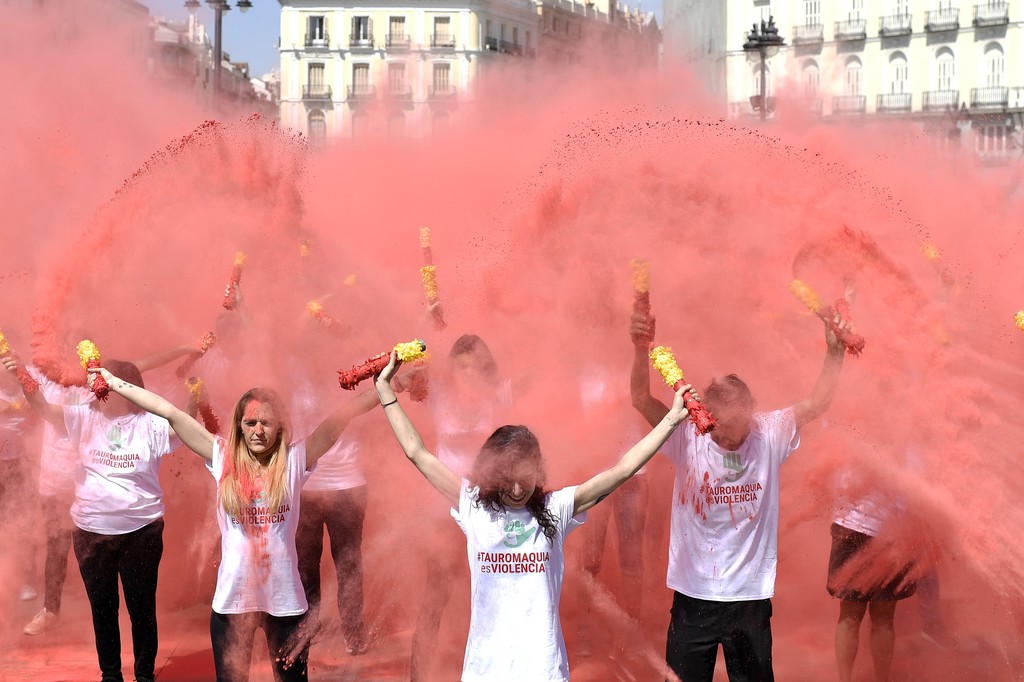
259, 474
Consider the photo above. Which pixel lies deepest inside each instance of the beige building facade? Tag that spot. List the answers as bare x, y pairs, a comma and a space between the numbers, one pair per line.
956, 67
352, 68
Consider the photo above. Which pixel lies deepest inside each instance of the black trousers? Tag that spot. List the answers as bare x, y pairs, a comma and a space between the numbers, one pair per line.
232, 636
743, 628
55, 512
343, 512
135, 558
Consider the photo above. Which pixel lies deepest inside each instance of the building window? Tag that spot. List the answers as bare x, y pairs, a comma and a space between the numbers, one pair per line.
995, 66
992, 140
810, 81
442, 77
812, 12
317, 127
855, 10
515, 36
899, 74
443, 28
853, 77
945, 70
529, 40
362, 30
316, 30
899, 8
396, 78
755, 71
316, 76
361, 79
396, 28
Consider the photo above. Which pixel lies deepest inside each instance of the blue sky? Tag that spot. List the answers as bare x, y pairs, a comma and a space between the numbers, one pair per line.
252, 37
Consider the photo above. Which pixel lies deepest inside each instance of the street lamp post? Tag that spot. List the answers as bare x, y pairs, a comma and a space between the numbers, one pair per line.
760, 46
219, 7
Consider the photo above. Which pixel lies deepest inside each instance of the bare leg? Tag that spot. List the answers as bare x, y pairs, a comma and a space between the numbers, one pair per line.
851, 613
883, 637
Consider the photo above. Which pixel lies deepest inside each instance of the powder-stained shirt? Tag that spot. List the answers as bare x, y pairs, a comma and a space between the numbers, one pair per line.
117, 480
58, 458
515, 634
723, 544
259, 569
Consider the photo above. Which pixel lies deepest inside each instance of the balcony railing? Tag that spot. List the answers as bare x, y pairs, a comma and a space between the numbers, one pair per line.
810, 34
893, 102
946, 19
992, 13
940, 100
491, 44
849, 104
363, 91
360, 41
398, 41
755, 103
318, 93
398, 91
851, 29
990, 98
442, 92
318, 41
504, 46
895, 25
442, 41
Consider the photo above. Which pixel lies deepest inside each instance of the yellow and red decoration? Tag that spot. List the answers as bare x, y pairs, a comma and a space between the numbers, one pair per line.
665, 362
853, 341
197, 391
206, 342
428, 274
230, 300
28, 384
89, 356
1018, 319
407, 352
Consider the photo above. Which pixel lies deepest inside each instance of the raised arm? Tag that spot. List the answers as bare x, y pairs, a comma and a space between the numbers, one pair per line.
54, 414
191, 432
436, 473
161, 358
641, 330
603, 484
327, 433
826, 385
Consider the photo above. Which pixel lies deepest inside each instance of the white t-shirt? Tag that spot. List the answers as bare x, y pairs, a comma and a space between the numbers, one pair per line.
259, 569
117, 481
338, 468
58, 458
462, 429
515, 634
725, 510
12, 427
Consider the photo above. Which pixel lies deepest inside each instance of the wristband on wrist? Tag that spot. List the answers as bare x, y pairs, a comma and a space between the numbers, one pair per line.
390, 403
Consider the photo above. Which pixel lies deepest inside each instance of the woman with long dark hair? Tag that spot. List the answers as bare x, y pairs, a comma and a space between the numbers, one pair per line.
515, 530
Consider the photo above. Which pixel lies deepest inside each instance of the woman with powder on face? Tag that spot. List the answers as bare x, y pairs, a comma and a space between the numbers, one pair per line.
515, 531
259, 474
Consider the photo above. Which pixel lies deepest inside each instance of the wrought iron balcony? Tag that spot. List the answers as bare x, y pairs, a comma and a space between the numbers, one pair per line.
362, 91
849, 104
398, 41
491, 44
895, 25
940, 100
442, 41
894, 102
851, 29
504, 46
990, 98
318, 41
398, 91
809, 34
992, 13
442, 92
316, 93
946, 19
755, 103
360, 41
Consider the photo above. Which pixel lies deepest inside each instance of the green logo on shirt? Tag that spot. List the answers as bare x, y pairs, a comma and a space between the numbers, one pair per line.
516, 533
731, 461
116, 438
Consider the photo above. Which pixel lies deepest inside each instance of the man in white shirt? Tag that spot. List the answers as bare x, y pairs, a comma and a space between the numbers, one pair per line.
725, 513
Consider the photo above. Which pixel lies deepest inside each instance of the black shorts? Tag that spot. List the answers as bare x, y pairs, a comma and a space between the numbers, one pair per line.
853, 575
